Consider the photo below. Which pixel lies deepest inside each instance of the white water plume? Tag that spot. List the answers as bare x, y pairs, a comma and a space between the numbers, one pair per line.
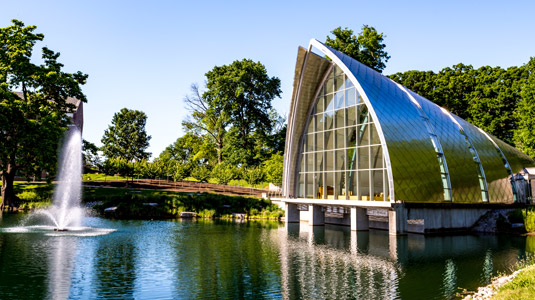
66, 210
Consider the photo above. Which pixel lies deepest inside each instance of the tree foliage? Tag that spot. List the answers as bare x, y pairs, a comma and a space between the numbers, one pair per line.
90, 156
486, 97
243, 91
118, 165
253, 175
273, 168
367, 47
126, 136
206, 119
32, 122
224, 173
524, 137
201, 173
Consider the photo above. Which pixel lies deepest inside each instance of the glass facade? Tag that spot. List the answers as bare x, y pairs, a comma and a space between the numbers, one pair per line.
379, 141
342, 157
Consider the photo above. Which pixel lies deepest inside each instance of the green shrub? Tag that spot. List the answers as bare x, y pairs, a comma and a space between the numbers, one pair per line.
29, 196
206, 213
529, 219
530, 244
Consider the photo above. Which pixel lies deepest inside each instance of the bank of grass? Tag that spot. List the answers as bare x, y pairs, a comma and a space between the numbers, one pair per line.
521, 287
145, 204
142, 204
33, 195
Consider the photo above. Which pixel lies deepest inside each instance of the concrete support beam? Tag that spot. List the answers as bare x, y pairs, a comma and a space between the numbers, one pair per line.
317, 215
359, 219
397, 220
291, 213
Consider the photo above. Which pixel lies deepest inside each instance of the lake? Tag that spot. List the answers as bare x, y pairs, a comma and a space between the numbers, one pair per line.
207, 259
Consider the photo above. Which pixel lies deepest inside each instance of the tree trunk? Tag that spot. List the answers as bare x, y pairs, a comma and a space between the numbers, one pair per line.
8, 193
219, 148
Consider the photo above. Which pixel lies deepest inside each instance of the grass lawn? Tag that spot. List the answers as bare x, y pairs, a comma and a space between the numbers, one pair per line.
521, 287
101, 177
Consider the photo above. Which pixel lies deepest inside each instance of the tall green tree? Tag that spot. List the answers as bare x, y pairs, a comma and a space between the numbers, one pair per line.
524, 137
126, 136
368, 47
32, 122
206, 119
90, 156
243, 91
190, 150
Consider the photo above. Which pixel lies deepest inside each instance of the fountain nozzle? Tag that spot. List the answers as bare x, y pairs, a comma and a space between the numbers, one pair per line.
60, 229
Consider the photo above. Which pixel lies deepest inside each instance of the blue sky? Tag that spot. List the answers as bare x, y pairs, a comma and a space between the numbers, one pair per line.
145, 54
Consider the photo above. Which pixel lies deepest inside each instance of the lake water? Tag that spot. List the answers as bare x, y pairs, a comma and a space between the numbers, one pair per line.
254, 260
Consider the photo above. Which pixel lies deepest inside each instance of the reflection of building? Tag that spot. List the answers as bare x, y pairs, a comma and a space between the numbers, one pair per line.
356, 139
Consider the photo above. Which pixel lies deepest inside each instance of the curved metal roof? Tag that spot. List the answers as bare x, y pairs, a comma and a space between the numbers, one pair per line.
413, 132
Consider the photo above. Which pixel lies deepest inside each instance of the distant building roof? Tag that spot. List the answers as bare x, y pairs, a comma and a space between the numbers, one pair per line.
77, 115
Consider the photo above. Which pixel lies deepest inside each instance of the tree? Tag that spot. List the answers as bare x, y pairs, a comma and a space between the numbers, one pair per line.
32, 122
90, 155
486, 97
367, 47
190, 150
126, 136
118, 165
223, 173
201, 173
253, 175
492, 103
273, 168
243, 92
180, 171
524, 137
206, 120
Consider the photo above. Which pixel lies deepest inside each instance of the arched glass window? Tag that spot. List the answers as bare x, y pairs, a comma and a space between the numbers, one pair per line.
342, 155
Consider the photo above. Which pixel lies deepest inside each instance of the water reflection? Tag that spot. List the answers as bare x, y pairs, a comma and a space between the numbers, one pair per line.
61, 264
333, 262
316, 264
252, 260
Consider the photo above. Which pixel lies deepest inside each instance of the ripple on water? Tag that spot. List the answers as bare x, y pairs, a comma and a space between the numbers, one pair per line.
50, 230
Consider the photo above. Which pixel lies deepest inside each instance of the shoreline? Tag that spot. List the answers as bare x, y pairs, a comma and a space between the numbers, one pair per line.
488, 291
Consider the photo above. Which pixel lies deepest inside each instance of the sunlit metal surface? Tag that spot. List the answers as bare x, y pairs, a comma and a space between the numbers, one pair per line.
310, 70
499, 185
516, 158
362, 126
415, 171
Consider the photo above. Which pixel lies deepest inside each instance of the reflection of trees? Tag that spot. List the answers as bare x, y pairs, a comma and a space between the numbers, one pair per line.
228, 262
114, 266
23, 266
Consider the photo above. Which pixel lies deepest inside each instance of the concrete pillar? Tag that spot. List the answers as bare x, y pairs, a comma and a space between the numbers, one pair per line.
291, 213
359, 219
397, 220
317, 216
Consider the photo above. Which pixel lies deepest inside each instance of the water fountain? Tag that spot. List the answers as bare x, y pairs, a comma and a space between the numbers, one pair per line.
66, 211
66, 214
66, 208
